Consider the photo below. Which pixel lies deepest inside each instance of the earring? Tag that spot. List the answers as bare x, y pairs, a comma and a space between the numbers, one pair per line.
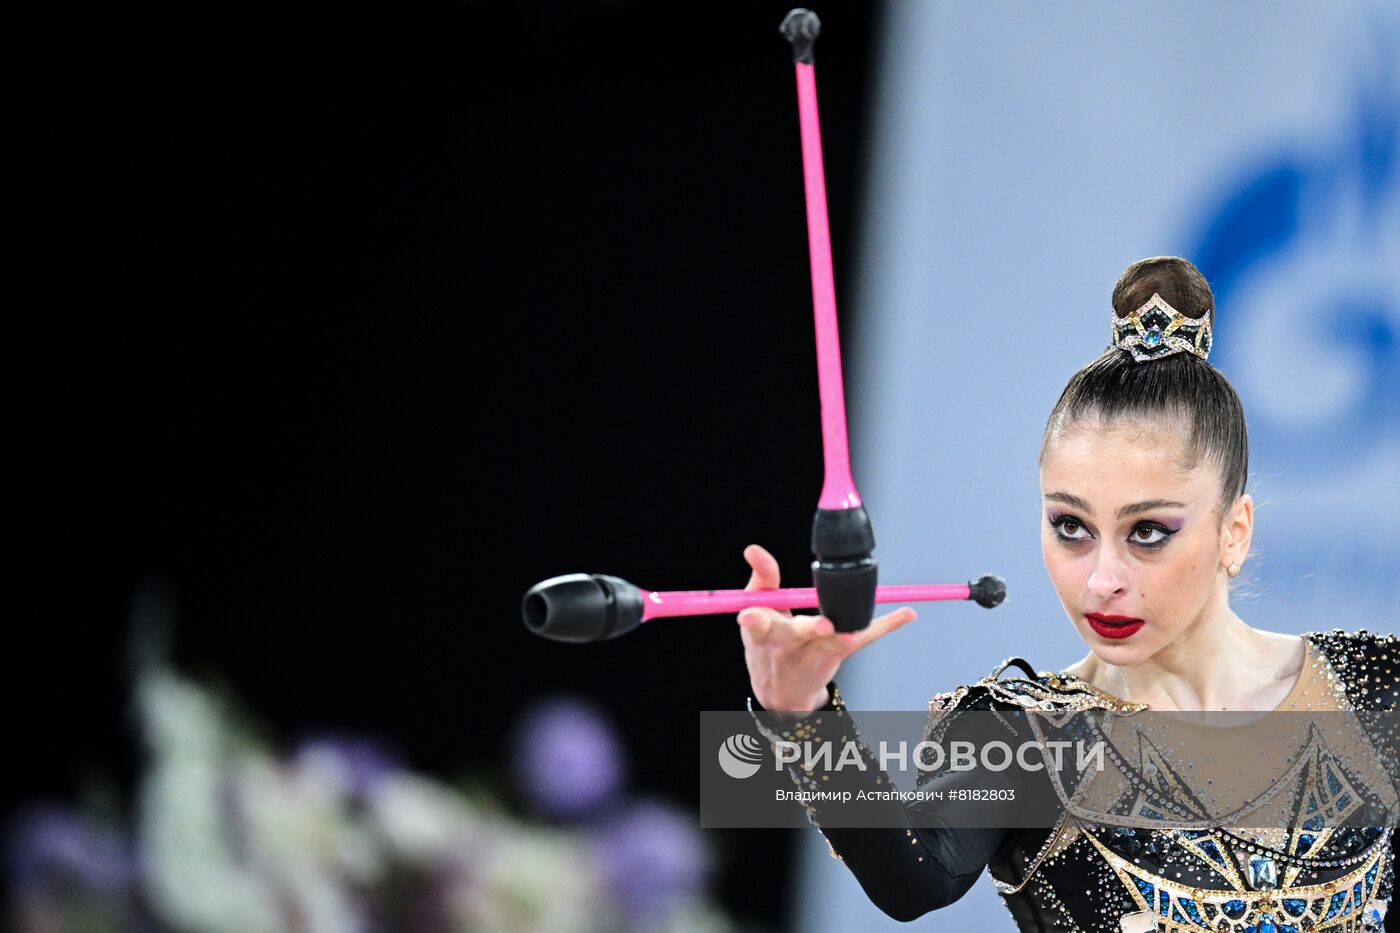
1233, 570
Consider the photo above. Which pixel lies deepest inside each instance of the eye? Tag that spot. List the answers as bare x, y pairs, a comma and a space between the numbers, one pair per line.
1150, 534
1069, 528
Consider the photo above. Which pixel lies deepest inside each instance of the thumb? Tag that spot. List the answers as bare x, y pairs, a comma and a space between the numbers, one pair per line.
765, 569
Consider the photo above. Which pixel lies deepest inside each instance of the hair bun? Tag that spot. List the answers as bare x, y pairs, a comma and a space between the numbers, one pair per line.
1177, 280
1179, 397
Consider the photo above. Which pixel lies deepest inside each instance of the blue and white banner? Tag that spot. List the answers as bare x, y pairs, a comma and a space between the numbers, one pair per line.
1022, 156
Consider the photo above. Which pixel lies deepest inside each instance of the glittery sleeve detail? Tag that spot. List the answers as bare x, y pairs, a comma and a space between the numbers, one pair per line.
825, 724
907, 871
1093, 877
1365, 668
1366, 664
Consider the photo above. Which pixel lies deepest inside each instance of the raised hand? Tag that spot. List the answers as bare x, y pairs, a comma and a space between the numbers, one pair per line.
792, 658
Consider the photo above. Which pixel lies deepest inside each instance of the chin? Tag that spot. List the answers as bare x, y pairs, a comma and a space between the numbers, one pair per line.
1124, 653
1119, 655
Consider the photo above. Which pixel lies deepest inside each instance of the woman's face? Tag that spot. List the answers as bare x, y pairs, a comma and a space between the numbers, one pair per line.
1134, 543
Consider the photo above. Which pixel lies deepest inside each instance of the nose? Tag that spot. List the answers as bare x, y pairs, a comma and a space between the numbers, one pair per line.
1109, 578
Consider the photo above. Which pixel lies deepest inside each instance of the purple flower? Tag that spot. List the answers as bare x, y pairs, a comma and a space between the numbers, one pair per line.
357, 765
653, 856
51, 842
567, 757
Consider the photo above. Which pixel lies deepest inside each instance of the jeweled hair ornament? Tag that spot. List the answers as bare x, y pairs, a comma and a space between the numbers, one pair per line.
1158, 330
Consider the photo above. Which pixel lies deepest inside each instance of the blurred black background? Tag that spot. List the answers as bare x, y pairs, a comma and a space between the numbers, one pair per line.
348, 323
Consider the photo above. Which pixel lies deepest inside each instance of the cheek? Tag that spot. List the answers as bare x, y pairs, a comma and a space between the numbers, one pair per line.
1066, 572
1190, 565
1179, 585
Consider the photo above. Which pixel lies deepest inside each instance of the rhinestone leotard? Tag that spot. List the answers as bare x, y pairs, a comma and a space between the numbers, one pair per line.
1097, 877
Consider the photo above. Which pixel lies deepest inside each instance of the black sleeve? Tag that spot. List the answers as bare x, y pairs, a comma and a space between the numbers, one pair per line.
913, 862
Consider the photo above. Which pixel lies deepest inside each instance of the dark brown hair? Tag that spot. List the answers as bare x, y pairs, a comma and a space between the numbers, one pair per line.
1181, 392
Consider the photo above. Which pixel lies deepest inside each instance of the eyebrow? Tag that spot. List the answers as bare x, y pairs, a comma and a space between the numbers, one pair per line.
1068, 499
1134, 508
1147, 505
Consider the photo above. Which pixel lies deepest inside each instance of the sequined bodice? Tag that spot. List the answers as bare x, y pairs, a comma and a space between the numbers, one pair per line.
1120, 879
1105, 870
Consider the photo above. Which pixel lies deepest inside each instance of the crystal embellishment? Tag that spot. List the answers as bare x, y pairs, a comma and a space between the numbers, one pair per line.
1263, 873
1157, 330
1142, 921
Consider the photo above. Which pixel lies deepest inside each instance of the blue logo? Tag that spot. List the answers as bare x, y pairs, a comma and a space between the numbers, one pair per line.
1302, 250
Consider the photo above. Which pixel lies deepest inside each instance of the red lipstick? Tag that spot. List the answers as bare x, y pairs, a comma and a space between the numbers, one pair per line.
1113, 626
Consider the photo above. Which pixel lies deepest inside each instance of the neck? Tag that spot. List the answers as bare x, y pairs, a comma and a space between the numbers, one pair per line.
1200, 670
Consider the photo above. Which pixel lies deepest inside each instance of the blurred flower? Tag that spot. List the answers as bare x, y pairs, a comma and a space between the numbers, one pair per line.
695, 916
297, 837
654, 860
356, 765
53, 843
236, 841
567, 757
421, 821
339, 838
194, 875
529, 880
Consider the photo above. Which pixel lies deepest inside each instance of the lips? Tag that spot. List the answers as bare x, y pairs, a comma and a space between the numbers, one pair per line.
1111, 626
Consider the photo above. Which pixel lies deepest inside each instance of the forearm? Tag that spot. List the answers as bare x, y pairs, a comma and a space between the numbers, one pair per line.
908, 861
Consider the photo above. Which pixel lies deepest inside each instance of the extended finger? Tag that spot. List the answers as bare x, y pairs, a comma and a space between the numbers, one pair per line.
765, 569
879, 627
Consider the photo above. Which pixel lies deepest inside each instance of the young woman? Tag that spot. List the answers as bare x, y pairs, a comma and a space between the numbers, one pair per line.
1146, 521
